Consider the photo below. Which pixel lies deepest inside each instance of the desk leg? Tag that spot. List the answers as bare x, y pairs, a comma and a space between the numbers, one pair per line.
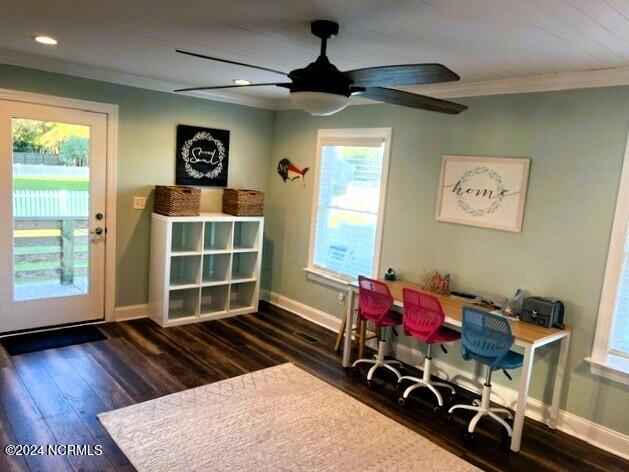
523, 393
559, 380
349, 326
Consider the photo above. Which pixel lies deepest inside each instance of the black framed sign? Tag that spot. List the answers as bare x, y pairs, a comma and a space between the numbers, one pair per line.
202, 156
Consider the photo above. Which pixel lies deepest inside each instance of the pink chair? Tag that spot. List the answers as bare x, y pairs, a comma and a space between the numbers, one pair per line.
423, 319
374, 304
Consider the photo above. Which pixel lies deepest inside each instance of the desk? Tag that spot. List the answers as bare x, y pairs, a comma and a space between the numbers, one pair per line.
527, 336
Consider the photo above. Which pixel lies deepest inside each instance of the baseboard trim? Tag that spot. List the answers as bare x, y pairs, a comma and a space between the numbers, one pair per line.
577, 426
309, 313
131, 312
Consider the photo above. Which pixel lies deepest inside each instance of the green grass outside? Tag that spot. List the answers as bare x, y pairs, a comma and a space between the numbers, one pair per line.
26, 183
18, 251
44, 265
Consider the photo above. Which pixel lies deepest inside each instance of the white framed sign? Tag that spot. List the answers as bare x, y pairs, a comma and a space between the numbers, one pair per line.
489, 192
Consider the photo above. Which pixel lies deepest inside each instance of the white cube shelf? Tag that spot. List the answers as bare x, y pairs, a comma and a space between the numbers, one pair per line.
246, 235
216, 269
244, 266
214, 301
204, 267
242, 296
217, 236
183, 304
184, 271
186, 237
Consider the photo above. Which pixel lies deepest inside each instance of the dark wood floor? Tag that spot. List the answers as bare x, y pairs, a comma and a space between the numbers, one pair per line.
53, 396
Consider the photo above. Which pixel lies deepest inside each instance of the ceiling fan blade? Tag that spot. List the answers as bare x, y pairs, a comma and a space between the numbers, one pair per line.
218, 59
219, 87
406, 74
412, 100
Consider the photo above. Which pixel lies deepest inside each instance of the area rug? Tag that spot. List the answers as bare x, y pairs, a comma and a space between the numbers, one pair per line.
276, 419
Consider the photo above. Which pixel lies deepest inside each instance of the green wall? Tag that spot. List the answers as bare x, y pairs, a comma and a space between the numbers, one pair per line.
575, 139
146, 150
576, 142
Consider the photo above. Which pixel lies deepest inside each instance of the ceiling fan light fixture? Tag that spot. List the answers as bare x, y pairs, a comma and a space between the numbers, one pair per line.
319, 103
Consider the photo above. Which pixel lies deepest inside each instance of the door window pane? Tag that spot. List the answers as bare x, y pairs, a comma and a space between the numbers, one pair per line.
50, 208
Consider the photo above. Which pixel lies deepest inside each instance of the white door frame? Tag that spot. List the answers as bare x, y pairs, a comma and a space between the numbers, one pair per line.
111, 111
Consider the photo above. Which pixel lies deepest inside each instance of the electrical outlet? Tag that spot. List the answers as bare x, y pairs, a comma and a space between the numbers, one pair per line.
139, 203
341, 298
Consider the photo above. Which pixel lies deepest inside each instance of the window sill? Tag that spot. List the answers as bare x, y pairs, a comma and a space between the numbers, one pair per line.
326, 279
613, 368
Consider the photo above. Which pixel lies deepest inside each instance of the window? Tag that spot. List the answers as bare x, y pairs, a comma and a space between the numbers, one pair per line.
610, 353
350, 178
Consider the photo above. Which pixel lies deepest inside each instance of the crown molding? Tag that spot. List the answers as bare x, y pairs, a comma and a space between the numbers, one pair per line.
106, 75
537, 83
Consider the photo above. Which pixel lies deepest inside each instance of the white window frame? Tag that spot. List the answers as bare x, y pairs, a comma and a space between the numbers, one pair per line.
329, 277
601, 361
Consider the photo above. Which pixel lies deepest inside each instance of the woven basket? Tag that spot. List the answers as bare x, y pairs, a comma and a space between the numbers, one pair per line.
177, 201
243, 202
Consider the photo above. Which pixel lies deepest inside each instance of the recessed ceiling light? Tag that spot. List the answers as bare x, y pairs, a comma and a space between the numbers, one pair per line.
48, 40
241, 82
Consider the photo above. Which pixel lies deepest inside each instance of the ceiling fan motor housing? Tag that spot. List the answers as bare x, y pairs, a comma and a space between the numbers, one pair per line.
320, 76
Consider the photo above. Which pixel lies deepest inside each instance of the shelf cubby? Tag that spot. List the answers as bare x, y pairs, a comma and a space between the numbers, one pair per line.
217, 236
183, 303
246, 234
244, 266
242, 296
184, 270
215, 268
214, 300
186, 236
204, 267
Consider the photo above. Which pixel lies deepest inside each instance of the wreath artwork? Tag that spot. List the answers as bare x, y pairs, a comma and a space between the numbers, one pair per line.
202, 156
495, 201
489, 192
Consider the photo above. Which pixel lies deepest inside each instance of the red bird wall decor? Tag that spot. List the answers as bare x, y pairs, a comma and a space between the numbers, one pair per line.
289, 171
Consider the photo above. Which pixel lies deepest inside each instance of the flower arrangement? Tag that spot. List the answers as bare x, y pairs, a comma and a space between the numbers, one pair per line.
433, 281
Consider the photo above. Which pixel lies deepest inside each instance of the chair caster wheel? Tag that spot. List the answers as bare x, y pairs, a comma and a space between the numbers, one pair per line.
371, 385
401, 401
439, 411
449, 417
468, 438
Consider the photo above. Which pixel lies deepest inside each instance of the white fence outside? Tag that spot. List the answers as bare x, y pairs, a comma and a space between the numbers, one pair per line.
33, 170
55, 203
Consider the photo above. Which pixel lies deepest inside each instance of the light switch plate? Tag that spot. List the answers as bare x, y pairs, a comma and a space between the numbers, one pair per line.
139, 203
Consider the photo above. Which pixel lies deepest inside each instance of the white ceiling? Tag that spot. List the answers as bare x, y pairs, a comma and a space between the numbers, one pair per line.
133, 41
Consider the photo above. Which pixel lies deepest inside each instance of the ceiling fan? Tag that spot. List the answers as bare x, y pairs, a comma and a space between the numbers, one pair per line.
321, 89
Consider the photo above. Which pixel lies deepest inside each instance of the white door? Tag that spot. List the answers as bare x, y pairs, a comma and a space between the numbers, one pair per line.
52, 215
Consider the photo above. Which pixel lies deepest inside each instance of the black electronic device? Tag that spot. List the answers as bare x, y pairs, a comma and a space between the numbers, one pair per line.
546, 312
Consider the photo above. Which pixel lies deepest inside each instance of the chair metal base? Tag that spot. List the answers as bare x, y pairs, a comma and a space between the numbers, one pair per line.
483, 409
425, 382
379, 361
